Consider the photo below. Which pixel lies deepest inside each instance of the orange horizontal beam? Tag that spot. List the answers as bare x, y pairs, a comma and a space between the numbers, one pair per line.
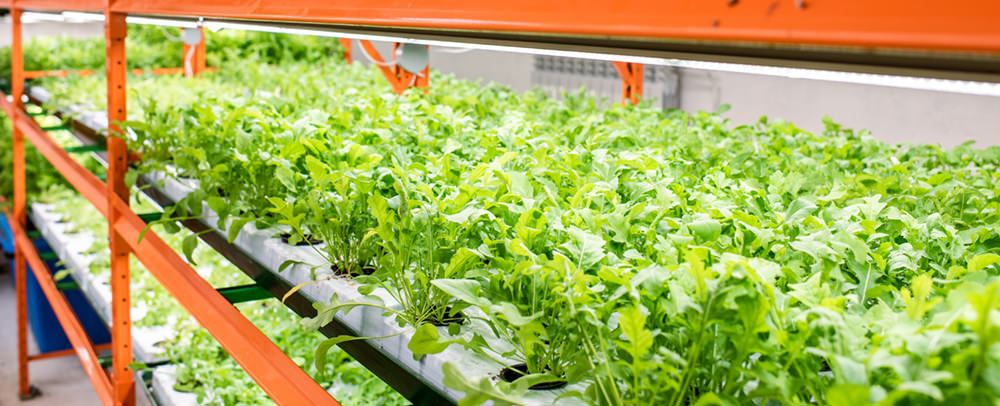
279, 376
960, 25
58, 5
79, 177
82, 345
65, 353
35, 74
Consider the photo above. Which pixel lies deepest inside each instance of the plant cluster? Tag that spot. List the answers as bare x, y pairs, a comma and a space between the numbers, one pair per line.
655, 257
203, 367
150, 46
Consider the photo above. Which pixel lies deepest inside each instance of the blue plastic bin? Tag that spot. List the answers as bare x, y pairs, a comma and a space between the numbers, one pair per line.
45, 327
6, 236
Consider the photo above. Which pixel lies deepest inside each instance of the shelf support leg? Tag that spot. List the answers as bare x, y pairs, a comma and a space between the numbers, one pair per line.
24, 388
420, 80
123, 385
196, 61
632, 78
398, 77
346, 44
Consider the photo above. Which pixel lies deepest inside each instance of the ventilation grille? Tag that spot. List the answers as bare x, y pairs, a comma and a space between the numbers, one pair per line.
555, 75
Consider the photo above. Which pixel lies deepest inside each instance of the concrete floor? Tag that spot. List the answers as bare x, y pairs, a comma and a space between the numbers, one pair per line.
61, 380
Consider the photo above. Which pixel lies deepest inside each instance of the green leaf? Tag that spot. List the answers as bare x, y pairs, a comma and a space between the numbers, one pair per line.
586, 249
478, 391
235, 227
916, 298
188, 245
285, 176
633, 325
427, 340
709, 399
867, 275
217, 204
137, 366
513, 315
459, 262
463, 289
847, 394
287, 263
706, 229
982, 261
61, 274
324, 347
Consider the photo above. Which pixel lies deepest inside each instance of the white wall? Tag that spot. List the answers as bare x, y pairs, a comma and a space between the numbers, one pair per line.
41, 29
892, 114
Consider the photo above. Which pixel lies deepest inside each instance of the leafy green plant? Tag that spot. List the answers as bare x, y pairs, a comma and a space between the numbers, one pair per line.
644, 256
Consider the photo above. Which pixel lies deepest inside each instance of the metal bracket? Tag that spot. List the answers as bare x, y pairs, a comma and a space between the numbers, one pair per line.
194, 55
631, 74
61, 127
68, 285
399, 78
244, 293
150, 217
347, 44
84, 148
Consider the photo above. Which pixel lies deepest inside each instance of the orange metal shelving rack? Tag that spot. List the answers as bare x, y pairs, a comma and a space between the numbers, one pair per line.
954, 39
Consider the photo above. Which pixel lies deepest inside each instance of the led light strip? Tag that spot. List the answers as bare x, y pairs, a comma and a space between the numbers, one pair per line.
905, 82
78, 17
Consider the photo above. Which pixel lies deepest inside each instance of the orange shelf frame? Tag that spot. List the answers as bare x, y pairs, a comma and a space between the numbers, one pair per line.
967, 28
277, 374
961, 25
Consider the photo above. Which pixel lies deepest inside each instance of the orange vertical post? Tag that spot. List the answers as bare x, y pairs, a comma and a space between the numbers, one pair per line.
24, 388
632, 79
123, 386
346, 43
196, 60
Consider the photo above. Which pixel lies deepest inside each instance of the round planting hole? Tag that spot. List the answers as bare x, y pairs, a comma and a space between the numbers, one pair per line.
451, 317
516, 371
365, 270
309, 240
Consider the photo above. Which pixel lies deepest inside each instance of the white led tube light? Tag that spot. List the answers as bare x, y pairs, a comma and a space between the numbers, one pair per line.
906, 82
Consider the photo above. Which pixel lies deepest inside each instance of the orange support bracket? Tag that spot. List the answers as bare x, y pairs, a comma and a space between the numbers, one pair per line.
346, 43
632, 78
399, 78
194, 57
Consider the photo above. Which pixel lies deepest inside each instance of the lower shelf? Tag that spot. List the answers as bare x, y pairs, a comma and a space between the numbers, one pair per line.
71, 250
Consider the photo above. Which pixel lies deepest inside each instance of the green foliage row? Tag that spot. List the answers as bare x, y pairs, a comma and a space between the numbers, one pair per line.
160, 47
148, 47
645, 256
203, 367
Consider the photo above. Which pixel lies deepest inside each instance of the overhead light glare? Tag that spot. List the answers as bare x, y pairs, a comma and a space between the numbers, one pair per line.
906, 82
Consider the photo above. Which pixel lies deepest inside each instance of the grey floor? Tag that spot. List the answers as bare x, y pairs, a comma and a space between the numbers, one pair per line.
61, 380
